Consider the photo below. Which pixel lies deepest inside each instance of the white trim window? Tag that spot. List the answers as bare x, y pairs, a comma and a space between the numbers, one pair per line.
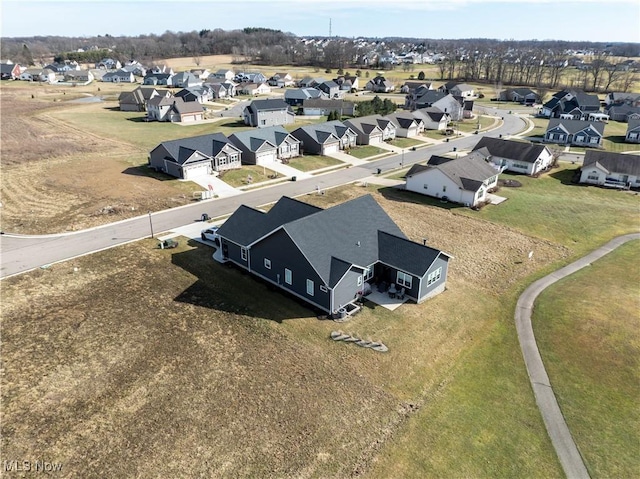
243, 254
404, 279
310, 287
323, 288
434, 276
368, 273
267, 263
288, 276
359, 280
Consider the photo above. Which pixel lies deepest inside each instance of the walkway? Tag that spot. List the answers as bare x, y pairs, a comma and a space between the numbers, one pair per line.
287, 170
215, 184
557, 428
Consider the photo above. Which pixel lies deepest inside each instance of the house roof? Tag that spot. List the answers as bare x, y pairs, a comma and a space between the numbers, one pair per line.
302, 93
468, 172
430, 97
613, 162
335, 127
321, 136
326, 103
513, 150
254, 139
403, 120
432, 113
574, 126
633, 124
185, 107
208, 145
270, 104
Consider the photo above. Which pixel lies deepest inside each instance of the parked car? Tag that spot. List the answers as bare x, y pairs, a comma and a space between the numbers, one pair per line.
210, 234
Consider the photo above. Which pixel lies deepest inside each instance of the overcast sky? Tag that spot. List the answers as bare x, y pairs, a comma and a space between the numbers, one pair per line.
595, 20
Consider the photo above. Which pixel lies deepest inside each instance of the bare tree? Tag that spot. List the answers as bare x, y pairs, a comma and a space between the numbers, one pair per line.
197, 60
596, 68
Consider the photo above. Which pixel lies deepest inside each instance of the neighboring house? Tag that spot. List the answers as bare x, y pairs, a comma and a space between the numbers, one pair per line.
78, 76
622, 98
200, 74
218, 90
380, 84
465, 180
347, 137
252, 77
308, 82
136, 68
614, 170
191, 157
223, 75
575, 132
457, 89
330, 89
453, 106
467, 109
633, 131
200, 94
63, 67
423, 98
516, 156
348, 82
524, 96
108, 64
9, 71
407, 125
137, 99
38, 74
324, 257
174, 109
372, 129
164, 79
281, 80
119, 76
185, 80
321, 107
411, 86
622, 112
266, 145
253, 89
317, 141
296, 96
432, 118
162, 69
265, 113
575, 103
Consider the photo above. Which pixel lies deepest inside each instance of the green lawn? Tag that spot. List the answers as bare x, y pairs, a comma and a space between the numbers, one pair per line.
550, 207
313, 162
406, 142
471, 125
366, 151
588, 331
248, 175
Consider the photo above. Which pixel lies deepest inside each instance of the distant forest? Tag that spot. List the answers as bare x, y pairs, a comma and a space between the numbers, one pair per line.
535, 63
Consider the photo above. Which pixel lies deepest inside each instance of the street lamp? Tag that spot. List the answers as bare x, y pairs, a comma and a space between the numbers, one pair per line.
150, 224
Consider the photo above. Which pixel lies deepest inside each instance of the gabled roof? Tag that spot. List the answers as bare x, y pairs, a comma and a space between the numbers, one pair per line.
270, 104
613, 162
468, 172
513, 150
254, 139
209, 145
319, 135
430, 97
326, 103
633, 124
302, 93
432, 113
335, 127
574, 126
186, 107
402, 120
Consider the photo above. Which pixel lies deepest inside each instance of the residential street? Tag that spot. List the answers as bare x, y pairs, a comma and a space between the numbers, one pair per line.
23, 253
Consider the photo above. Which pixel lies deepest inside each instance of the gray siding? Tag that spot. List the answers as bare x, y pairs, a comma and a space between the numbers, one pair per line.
440, 262
272, 118
309, 144
345, 291
233, 252
283, 253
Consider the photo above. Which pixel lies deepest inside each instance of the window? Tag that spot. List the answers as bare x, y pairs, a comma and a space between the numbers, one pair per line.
267, 263
426, 187
288, 276
444, 188
633, 135
434, 276
310, 287
594, 140
593, 176
368, 274
404, 279
323, 288
580, 138
359, 280
243, 254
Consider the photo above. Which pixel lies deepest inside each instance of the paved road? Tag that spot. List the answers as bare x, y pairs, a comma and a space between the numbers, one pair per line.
565, 447
23, 253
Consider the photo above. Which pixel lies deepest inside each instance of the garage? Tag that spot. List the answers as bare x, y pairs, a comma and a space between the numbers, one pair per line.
193, 171
265, 158
329, 149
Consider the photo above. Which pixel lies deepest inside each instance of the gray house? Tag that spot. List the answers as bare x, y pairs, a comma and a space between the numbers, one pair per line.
407, 125
296, 96
633, 131
516, 156
317, 141
330, 88
325, 257
196, 156
321, 107
372, 129
266, 145
525, 96
575, 132
265, 113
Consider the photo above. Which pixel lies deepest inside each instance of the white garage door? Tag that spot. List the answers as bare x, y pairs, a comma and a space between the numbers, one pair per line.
328, 149
375, 140
195, 171
265, 158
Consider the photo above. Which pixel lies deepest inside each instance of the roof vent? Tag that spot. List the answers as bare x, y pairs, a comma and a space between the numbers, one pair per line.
357, 243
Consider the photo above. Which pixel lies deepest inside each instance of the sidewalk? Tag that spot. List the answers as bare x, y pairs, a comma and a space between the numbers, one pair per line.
288, 171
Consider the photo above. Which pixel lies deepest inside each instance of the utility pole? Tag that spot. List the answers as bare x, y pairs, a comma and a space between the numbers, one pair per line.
329, 27
150, 224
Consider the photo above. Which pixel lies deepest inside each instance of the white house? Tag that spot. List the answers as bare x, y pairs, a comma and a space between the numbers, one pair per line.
465, 180
615, 170
516, 156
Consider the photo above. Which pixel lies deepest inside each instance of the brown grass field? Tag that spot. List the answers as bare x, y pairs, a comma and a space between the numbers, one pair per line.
115, 370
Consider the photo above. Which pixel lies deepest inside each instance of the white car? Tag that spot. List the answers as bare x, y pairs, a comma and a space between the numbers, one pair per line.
210, 234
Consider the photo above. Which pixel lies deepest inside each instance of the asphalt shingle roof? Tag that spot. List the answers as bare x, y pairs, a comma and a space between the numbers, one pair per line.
613, 162
513, 150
